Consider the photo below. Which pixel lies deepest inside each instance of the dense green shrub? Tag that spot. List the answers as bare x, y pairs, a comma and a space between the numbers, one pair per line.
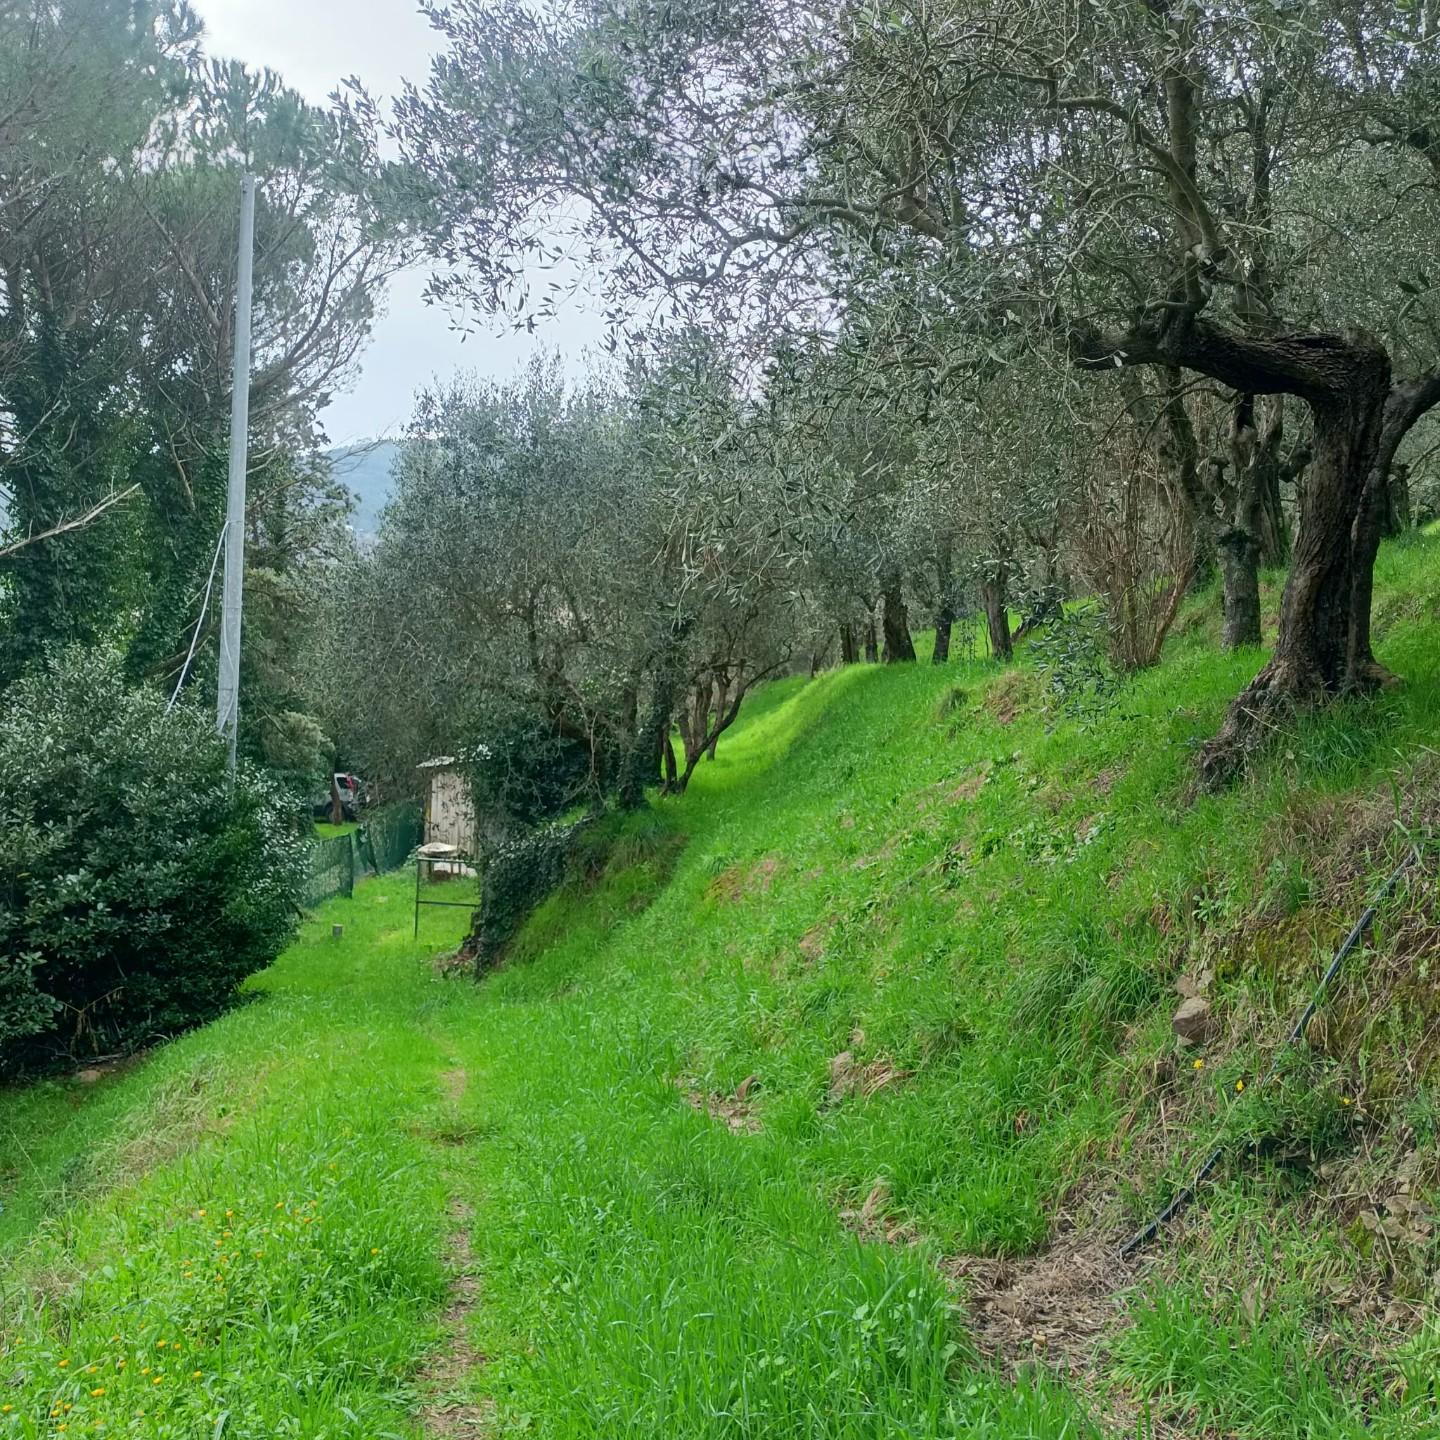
520, 772
519, 875
138, 886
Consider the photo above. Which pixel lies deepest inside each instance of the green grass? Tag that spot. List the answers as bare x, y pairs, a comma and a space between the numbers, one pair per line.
258, 1195
874, 864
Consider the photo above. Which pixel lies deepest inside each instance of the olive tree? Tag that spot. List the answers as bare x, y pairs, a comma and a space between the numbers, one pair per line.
1075, 174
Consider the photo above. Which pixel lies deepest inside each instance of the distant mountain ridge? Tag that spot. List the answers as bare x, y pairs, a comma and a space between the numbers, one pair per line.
367, 470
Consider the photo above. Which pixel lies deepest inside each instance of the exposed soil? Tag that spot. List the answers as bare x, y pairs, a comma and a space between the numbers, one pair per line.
446, 1414
740, 882
969, 789
1104, 782
872, 1222
735, 1110
812, 942
445, 1373
1054, 1307
1005, 699
849, 1077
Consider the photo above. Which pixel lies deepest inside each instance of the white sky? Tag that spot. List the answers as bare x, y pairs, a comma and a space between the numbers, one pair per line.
314, 44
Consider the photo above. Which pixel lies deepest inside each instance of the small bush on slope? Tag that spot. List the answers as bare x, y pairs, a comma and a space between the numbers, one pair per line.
138, 886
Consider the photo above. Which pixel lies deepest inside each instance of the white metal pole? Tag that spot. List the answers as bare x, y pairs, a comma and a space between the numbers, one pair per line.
227, 700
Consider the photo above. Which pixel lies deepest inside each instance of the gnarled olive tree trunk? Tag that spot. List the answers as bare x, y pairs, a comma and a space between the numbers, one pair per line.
1398, 515
995, 601
1403, 406
1323, 645
944, 604
898, 645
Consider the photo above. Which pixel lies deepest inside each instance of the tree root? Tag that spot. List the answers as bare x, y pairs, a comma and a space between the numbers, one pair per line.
1255, 715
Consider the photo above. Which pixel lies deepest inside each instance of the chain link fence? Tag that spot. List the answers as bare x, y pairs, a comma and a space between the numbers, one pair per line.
383, 841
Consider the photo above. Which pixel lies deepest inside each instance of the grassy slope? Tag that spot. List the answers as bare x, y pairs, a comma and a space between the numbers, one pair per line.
875, 864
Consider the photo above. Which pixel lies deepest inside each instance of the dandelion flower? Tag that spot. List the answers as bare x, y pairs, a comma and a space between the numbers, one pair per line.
98, 1390
202, 1214
374, 1249
195, 1374
1199, 1065
1239, 1086
63, 1364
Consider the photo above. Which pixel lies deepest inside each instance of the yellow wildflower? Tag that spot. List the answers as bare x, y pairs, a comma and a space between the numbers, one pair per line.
1239, 1086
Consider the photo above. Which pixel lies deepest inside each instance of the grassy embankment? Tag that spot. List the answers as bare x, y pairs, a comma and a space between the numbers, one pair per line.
694, 1216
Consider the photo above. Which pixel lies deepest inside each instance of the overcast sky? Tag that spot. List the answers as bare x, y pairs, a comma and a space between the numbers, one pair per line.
314, 44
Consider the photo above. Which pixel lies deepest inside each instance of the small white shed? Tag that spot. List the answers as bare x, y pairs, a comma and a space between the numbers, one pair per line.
449, 814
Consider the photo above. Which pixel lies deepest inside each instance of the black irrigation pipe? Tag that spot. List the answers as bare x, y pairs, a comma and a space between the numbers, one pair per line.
1182, 1198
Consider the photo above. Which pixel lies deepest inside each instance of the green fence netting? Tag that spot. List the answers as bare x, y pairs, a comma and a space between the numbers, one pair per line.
383, 841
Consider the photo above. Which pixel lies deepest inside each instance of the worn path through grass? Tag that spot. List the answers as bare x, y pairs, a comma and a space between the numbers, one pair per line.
246, 1233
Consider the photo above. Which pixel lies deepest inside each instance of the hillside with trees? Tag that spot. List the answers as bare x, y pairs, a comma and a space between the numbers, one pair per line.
945, 700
